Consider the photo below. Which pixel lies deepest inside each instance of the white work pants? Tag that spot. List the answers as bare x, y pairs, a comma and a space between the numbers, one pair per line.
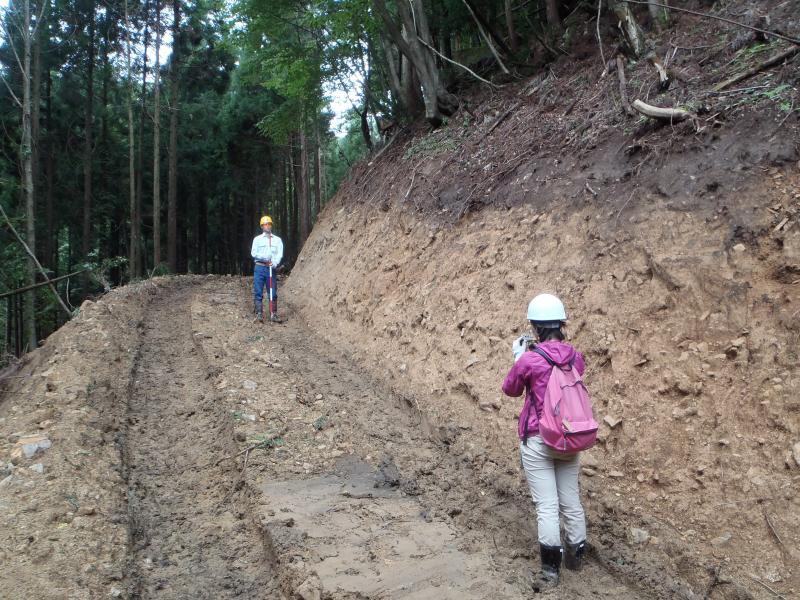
553, 480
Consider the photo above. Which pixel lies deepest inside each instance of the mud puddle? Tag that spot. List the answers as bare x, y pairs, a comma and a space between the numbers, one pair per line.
376, 541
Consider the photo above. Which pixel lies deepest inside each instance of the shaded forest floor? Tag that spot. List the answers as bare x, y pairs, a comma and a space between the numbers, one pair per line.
564, 132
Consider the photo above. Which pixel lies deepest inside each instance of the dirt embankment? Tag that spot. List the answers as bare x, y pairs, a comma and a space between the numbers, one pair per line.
64, 529
677, 253
689, 319
690, 326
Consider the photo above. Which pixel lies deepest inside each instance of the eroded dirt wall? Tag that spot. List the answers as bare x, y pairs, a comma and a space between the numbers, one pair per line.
687, 311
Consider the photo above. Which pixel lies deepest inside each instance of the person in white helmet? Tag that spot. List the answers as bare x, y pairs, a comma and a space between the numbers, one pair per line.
267, 252
552, 476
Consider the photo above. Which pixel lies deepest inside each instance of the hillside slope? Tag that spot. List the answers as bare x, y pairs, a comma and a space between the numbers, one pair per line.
677, 252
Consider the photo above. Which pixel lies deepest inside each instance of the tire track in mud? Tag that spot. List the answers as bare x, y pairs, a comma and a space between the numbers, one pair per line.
187, 540
363, 498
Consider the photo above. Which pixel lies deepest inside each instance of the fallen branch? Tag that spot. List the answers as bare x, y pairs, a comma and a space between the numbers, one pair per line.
40, 284
616, 219
532, 90
485, 34
738, 90
783, 120
774, 533
574, 103
664, 80
770, 62
716, 18
500, 119
553, 51
673, 115
413, 177
36, 262
411, 185
659, 271
777, 228
263, 444
385, 147
622, 91
239, 479
758, 581
458, 64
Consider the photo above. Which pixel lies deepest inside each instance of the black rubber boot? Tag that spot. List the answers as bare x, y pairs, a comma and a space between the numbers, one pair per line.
551, 565
573, 556
274, 314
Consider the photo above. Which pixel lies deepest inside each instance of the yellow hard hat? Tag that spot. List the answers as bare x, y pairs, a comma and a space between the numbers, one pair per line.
265, 220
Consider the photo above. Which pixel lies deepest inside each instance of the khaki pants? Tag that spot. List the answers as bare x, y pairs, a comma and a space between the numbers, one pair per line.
553, 481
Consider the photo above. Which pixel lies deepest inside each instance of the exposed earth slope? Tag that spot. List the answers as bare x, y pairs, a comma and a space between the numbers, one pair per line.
677, 251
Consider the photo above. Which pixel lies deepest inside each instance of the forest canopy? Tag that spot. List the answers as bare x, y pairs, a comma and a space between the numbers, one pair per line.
147, 136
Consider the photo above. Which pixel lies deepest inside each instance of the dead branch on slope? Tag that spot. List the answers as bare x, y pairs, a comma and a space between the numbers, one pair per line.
673, 115
717, 18
770, 62
622, 83
36, 262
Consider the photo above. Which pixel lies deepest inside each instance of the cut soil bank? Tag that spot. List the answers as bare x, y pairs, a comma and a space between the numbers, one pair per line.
689, 323
677, 253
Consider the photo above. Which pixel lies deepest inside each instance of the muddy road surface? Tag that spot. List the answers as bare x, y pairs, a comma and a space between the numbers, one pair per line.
263, 463
193, 453
189, 539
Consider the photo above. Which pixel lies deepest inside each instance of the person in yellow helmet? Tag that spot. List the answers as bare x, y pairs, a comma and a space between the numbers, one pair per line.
267, 252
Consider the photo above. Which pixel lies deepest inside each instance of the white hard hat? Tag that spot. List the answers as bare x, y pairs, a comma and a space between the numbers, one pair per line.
546, 308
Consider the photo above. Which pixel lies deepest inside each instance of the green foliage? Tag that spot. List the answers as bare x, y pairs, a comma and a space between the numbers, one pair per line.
777, 91
345, 151
266, 442
99, 268
431, 145
251, 75
160, 270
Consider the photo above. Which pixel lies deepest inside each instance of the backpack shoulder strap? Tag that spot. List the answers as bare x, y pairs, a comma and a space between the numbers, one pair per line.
544, 355
552, 363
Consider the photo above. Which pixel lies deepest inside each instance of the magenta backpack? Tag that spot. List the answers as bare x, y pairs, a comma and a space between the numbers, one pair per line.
566, 422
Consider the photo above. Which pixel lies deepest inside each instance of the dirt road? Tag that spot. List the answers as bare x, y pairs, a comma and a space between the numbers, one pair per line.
355, 495
253, 461
189, 538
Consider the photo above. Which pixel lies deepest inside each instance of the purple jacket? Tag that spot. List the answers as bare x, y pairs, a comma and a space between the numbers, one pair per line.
531, 374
